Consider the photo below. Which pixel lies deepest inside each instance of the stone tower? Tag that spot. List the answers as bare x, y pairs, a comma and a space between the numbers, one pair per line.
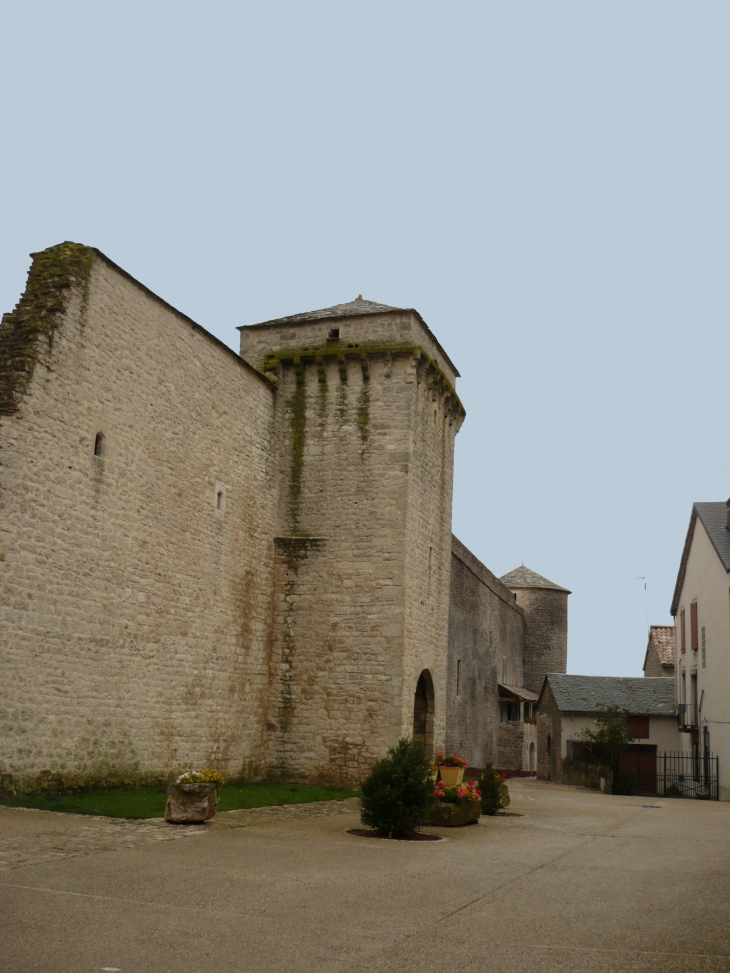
365, 419
545, 606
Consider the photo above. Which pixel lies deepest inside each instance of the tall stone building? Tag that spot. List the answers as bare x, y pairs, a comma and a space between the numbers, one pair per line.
240, 561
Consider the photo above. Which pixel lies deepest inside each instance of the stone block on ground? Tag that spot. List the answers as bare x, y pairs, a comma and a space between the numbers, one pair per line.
191, 803
444, 815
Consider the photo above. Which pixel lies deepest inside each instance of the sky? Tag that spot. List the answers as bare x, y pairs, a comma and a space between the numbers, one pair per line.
547, 183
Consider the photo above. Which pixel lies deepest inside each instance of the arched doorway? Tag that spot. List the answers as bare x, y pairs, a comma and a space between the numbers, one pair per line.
532, 758
423, 709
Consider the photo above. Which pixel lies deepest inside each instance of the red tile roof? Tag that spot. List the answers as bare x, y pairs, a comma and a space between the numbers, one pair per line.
661, 637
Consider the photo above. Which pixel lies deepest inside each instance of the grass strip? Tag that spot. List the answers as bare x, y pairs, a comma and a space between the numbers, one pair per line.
149, 802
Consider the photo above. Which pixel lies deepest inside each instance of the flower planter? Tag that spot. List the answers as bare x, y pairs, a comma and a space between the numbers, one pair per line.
451, 776
445, 815
191, 803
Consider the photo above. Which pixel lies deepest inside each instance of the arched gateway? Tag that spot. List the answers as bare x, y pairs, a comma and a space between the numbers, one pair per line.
423, 711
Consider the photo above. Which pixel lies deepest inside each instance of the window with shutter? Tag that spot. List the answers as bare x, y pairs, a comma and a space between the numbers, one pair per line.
682, 632
640, 726
694, 634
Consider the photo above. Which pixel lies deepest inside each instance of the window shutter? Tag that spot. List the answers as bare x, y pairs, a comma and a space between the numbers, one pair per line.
693, 626
640, 726
682, 632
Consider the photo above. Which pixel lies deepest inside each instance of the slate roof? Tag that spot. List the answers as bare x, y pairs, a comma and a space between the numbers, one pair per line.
523, 577
661, 638
519, 692
642, 696
714, 519
351, 309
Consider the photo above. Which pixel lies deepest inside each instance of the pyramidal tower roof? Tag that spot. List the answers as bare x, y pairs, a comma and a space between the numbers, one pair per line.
523, 577
349, 310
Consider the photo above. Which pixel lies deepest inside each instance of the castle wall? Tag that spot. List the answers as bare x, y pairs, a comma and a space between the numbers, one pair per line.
393, 329
134, 614
546, 633
428, 548
337, 666
353, 558
485, 637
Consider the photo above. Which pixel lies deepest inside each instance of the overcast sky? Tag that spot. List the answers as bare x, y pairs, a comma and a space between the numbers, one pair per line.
547, 183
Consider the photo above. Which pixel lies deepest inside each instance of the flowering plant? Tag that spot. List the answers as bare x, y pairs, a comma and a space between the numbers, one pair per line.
455, 795
201, 777
452, 761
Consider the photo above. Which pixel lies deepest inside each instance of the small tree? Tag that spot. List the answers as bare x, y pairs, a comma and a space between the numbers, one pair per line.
612, 736
398, 791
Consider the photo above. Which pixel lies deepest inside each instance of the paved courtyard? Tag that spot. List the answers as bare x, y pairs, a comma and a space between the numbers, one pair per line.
579, 882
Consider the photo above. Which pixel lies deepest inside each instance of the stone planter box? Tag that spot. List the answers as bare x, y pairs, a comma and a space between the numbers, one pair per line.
191, 803
451, 776
443, 815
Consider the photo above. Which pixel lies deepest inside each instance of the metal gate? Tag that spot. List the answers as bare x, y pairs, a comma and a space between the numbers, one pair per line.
693, 774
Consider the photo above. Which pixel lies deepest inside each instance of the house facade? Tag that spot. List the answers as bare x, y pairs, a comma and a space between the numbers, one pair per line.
568, 705
701, 609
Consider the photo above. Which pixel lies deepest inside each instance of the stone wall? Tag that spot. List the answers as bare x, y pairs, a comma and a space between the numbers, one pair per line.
652, 666
135, 586
361, 603
549, 723
546, 633
485, 639
513, 745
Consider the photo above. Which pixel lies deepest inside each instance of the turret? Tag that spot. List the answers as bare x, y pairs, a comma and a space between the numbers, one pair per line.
545, 605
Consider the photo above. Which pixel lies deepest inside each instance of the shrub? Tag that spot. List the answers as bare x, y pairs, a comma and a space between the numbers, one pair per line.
398, 792
489, 784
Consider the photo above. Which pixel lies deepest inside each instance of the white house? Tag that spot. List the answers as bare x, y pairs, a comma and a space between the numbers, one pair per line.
568, 705
701, 609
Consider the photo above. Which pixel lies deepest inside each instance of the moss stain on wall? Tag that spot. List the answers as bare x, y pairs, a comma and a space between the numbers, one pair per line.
298, 420
53, 274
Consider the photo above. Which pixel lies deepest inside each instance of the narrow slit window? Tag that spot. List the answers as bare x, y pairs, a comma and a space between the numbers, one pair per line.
99, 444
458, 677
219, 500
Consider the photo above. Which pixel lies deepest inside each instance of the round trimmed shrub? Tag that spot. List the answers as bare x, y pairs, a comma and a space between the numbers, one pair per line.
399, 791
490, 783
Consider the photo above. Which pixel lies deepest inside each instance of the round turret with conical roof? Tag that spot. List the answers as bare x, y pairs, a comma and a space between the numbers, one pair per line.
545, 605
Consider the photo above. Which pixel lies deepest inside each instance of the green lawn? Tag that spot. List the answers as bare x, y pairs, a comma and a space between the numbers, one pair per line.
150, 802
